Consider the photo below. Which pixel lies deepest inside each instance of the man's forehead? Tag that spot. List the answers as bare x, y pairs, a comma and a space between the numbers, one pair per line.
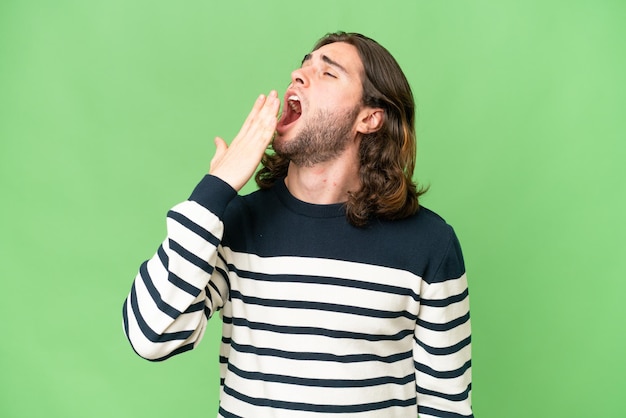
342, 55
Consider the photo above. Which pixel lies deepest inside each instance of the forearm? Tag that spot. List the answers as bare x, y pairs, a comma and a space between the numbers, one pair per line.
181, 285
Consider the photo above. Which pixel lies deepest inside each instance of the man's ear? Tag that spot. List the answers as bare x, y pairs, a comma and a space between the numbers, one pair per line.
370, 120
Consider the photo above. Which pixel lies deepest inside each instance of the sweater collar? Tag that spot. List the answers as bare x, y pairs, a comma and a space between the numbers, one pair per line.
307, 209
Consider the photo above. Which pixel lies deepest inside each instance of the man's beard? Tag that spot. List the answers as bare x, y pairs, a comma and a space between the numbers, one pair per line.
322, 138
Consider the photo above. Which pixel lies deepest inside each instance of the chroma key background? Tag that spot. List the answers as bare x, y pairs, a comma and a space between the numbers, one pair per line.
108, 110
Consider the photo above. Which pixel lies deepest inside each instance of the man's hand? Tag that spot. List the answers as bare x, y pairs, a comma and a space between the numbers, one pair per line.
235, 164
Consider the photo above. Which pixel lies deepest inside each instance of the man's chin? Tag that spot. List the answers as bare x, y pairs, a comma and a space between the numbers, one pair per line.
279, 141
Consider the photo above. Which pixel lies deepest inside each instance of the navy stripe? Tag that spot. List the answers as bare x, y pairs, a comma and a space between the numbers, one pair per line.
183, 285
212, 307
456, 397
202, 264
322, 383
296, 355
446, 326
179, 350
163, 306
224, 275
442, 303
194, 227
448, 374
320, 306
439, 413
444, 351
283, 329
174, 279
163, 257
222, 258
149, 332
299, 406
332, 281
208, 295
125, 319
198, 306
227, 414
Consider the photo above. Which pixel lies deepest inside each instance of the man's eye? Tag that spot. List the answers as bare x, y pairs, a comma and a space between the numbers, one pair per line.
330, 74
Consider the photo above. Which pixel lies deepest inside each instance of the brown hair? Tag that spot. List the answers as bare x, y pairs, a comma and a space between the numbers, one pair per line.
387, 156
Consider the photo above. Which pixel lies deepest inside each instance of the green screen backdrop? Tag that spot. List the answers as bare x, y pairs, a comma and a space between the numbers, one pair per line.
108, 110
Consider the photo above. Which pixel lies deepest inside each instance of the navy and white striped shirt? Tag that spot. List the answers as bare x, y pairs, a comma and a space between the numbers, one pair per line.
320, 318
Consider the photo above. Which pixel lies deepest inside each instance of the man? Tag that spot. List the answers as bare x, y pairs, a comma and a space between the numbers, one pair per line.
339, 295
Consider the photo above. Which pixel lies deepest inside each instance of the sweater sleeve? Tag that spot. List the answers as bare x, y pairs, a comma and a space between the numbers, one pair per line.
442, 343
185, 282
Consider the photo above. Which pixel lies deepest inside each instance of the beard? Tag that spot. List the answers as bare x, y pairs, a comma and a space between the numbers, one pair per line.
322, 138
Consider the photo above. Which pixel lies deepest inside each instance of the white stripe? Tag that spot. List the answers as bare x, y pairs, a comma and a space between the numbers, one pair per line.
325, 267
443, 339
322, 395
200, 215
443, 290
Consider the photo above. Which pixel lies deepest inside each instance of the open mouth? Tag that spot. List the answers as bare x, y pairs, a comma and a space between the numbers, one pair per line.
292, 110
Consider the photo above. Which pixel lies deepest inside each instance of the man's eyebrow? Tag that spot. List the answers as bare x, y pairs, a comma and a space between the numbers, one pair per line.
327, 60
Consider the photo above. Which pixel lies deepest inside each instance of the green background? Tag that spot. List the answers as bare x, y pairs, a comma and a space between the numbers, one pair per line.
107, 114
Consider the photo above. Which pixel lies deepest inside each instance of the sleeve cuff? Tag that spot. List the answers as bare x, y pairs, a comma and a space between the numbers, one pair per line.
214, 194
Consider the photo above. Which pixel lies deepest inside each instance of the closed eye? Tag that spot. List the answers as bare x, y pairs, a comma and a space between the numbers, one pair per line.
330, 74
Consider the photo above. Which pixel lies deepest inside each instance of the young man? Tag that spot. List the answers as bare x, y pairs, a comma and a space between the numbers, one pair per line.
339, 295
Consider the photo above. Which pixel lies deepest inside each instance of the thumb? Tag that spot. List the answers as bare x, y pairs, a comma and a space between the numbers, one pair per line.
220, 145
220, 150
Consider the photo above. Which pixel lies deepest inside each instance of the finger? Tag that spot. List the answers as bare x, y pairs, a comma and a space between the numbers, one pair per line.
265, 110
271, 105
267, 116
256, 108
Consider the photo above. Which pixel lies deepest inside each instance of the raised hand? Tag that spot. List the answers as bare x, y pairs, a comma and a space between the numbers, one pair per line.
235, 164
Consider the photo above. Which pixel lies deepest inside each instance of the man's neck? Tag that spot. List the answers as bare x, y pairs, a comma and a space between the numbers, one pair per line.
325, 183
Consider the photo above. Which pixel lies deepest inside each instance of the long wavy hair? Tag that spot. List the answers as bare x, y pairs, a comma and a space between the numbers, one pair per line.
387, 156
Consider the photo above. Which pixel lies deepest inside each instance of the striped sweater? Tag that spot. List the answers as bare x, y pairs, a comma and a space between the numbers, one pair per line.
320, 318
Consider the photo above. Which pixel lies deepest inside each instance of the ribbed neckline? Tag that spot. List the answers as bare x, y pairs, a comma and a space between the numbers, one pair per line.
307, 209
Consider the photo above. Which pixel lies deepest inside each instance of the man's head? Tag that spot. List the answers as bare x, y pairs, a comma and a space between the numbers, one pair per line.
384, 86
376, 106
324, 112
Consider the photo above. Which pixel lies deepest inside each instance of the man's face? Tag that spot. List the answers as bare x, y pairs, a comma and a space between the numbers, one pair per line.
321, 105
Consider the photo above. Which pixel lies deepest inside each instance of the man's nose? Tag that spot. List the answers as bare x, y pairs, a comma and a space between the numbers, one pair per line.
300, 78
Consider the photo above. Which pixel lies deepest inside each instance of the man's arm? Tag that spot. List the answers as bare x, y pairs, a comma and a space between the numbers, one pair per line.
186, 281
442, 344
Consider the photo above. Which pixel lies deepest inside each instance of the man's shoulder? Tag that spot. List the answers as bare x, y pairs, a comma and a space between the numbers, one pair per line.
423, 221
425, 232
